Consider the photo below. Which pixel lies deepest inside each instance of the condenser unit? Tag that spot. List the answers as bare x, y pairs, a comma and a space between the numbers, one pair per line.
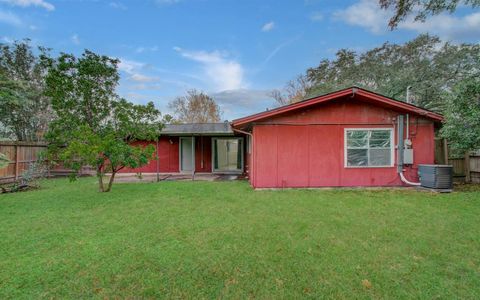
436, 176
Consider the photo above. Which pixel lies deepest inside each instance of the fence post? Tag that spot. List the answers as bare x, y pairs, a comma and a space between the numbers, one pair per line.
445, 150
467, 167
16, 161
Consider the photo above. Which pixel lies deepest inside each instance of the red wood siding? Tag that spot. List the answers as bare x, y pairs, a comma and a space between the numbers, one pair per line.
168, 154
306, 149
204, 156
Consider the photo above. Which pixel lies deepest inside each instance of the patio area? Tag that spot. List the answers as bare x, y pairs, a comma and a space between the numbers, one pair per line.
151, 177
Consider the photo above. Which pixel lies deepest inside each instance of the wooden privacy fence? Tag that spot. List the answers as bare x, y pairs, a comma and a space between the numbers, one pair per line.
21, 155
465, 169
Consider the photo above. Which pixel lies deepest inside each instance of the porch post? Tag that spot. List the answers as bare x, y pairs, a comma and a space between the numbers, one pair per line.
158, 162
193, 157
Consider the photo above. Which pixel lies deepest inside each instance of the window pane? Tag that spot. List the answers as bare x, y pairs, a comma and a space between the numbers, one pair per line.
239, 154
380, 157
380, 139
380, 143
357, 143
357, 134
380, 134
227, 155
357, 157
357, 139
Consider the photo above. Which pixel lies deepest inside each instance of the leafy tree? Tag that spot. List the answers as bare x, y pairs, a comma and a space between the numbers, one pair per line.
295, 90
195, 107
462, 117
94, 127
24, 109
422, 8
428, 65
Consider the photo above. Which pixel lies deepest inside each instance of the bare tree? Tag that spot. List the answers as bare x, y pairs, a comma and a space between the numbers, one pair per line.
295, 90
195, 107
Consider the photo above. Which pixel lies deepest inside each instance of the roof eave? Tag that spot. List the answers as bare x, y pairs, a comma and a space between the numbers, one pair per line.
327, 97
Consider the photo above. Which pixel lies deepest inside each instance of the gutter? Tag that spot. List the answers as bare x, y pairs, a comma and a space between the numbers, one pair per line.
250, 167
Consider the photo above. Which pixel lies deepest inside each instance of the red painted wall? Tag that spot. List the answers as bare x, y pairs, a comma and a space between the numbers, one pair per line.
168, 155
204, 156
306, 149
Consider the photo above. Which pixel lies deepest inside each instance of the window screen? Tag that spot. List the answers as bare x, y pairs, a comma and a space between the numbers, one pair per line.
369, 148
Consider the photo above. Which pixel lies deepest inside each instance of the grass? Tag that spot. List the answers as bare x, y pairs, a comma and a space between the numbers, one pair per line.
224, 240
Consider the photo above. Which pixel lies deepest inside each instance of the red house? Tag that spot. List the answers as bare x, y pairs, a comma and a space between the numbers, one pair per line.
352, 137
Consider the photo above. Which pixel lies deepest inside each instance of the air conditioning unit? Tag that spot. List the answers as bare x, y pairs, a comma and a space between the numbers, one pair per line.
436, 176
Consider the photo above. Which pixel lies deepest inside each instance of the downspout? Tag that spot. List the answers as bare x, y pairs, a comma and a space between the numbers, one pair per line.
250, 167
400, 148
158, 162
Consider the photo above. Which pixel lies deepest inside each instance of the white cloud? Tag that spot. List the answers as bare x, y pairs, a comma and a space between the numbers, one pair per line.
10, 19
447, 26
118, 5
134, 70
26, 3
137, 77
242, 102
367, 14
7, 40
224, 73
268, 26
145, 87
166, 2
142, 49
130, 66
316, 16
75, 39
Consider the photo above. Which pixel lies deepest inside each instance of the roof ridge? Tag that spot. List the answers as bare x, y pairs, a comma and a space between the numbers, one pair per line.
335, 94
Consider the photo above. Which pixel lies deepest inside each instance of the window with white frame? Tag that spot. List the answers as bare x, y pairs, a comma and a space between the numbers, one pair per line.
369, 147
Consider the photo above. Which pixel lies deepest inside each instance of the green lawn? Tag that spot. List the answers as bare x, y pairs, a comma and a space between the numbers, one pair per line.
224, 240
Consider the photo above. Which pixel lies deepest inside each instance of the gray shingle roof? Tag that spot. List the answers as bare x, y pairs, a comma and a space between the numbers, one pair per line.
198, 128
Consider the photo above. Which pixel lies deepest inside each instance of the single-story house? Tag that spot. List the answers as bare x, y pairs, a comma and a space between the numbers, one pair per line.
351, 137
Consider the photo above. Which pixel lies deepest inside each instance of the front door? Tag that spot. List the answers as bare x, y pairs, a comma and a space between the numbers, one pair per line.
187, 159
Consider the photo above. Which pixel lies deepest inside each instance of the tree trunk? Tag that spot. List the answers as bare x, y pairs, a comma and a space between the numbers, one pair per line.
100, 183
110, 182
100, 179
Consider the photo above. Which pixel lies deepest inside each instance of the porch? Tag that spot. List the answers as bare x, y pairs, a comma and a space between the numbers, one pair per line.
192, 150
151, 177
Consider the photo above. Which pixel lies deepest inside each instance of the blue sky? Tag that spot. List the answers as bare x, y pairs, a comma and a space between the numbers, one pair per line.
236, 51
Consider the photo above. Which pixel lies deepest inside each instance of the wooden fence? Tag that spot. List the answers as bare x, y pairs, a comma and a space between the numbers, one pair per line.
465, 169
464, 166
21, 155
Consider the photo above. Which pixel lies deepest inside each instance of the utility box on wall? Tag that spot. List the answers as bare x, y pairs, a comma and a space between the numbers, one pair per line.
408, 156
